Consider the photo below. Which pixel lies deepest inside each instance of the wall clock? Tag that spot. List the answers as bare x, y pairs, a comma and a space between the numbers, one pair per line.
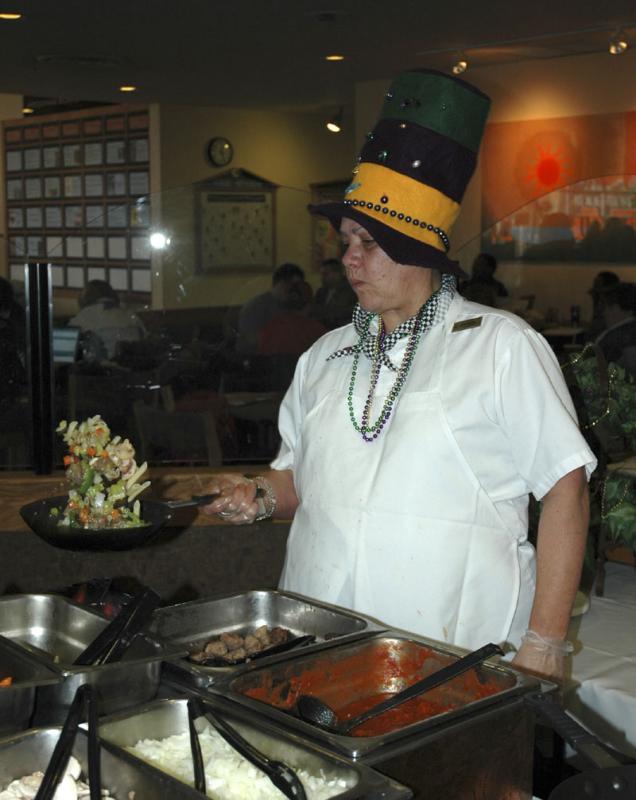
219, 151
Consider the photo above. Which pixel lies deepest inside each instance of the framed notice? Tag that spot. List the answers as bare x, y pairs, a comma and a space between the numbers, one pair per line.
33, 188
34, 217
32, 158
16, 218
52, 186
76, 189
95, 217
94, 184
14, 189
53, 217
235, 223
51, 157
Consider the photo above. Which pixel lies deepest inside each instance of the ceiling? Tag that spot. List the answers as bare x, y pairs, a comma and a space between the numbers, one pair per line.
270, 53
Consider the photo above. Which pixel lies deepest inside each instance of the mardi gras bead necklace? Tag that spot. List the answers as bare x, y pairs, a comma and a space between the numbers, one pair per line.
371, 432
376, 348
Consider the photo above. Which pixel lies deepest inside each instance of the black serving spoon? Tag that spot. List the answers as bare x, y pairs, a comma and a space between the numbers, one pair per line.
84, 699
282, 776
318, 713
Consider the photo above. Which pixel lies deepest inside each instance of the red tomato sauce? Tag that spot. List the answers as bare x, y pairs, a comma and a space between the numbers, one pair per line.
351, 682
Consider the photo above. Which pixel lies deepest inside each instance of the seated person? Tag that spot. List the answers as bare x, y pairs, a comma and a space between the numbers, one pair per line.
618, 340
291, 330
104, 322
335, 299
483, 287
258, 311
603, 282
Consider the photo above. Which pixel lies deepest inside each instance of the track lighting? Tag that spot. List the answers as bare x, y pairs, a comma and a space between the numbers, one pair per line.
334, 123
461, 65
618, 43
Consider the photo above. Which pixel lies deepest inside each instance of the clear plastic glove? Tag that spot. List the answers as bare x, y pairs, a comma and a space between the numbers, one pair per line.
542, 656
238, 503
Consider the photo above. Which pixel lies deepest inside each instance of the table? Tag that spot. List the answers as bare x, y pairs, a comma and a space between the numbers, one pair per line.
601, 691
563, 332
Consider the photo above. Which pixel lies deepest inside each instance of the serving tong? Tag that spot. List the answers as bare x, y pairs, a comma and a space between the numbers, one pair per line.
116, 637
84, 703
290, 644
281, 775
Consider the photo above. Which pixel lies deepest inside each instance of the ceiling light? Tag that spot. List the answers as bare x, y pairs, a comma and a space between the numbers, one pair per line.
27, 110
8, 15
334, 57
127, 88
334, 123
460, 66
618, 44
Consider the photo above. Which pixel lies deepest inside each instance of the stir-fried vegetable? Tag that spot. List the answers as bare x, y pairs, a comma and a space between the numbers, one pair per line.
103, 475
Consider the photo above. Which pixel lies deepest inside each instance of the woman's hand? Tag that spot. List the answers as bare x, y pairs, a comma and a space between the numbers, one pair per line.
542, 656
238, 503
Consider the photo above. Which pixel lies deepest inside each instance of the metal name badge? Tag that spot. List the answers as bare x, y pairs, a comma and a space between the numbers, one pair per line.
475, 322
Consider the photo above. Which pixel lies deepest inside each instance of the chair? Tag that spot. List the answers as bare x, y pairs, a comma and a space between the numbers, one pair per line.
176, 436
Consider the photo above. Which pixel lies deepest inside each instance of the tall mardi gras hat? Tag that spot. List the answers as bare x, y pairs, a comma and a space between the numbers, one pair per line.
414, 168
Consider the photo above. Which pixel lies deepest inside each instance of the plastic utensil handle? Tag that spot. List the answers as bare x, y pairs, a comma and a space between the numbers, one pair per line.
195, 500
283, 647
94, 758
282, 776
114, 638
429, 682
142, 607
194, 711
202, 500
63, 748
584, 742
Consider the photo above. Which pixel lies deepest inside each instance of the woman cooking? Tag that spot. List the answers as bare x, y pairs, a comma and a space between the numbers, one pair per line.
412, 437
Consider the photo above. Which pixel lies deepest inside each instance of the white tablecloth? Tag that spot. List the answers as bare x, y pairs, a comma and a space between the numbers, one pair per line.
601, 692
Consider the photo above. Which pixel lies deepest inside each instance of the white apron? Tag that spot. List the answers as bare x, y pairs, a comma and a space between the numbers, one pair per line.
405, 533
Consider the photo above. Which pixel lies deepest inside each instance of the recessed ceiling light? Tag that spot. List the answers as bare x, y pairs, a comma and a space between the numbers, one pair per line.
127, 88
9, 15
334, 57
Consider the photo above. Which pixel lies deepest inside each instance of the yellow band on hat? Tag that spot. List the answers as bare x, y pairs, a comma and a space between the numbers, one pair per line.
403, 203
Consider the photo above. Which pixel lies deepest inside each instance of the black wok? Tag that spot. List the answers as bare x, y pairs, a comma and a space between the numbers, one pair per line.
607, 780
155, 513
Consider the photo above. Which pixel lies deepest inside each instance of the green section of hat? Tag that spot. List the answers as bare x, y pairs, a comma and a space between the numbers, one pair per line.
439, 102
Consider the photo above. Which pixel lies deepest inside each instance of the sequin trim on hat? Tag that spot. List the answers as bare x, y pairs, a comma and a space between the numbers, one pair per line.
418, 223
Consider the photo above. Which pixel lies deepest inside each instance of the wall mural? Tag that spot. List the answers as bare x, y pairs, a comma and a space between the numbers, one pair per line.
568, 192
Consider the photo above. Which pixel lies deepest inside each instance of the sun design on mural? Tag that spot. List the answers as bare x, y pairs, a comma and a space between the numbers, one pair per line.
548, 168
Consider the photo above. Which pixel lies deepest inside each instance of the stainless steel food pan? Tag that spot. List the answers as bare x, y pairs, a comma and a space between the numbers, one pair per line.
191, 625
54, 630
375, 667
18, 700
30, 751
168, 717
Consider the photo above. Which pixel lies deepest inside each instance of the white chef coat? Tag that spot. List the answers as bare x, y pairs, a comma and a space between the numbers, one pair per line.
425, 528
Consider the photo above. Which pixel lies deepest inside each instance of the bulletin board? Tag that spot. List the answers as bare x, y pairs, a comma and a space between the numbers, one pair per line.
77, 188
235, 223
